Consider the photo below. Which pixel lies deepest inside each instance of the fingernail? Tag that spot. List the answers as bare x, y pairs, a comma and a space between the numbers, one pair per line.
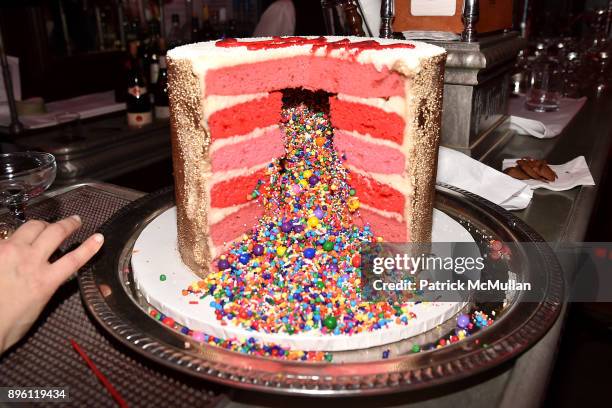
76, 218
99, 238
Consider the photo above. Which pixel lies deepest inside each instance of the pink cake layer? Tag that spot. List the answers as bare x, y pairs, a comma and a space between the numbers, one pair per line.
347, 117
389, 228
360, 153
261, 149
313, 73
236, 224
367, 156
371, 192
242, 118
378, 195
366, 119
234, 191
250, 152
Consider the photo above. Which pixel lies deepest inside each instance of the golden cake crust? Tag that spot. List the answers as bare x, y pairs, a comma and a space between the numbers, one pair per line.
426, 93
190, 143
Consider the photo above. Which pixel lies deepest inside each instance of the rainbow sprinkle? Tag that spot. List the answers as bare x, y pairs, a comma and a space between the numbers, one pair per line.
299, 269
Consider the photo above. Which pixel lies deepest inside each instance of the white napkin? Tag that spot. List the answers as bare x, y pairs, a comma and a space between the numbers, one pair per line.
13, 63
571, 174
431, 35
542, 125
371, 15
460, 170
87, 106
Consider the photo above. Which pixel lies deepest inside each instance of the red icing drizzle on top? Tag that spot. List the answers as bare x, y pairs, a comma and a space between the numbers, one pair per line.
355, 48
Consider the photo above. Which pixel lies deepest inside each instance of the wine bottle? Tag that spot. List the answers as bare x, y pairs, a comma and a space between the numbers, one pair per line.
138, 103
223, 23
154, 62
161, 91
121, 83
207, 32
175, 36
195, 29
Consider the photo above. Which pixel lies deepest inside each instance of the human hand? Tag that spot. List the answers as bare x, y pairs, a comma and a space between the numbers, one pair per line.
28, 280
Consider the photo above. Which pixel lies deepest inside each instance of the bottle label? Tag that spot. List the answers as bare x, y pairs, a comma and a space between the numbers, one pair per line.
162, 112
139, 119
137, 91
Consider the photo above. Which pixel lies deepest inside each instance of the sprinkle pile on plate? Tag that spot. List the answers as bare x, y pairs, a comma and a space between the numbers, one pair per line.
298, 270
466, 325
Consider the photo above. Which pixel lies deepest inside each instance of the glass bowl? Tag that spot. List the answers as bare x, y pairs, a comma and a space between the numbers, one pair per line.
24, 175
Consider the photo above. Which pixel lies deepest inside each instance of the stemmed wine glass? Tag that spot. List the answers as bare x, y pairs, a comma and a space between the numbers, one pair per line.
23, 175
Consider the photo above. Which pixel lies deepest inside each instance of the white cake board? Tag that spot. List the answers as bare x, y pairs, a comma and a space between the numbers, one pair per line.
156, 253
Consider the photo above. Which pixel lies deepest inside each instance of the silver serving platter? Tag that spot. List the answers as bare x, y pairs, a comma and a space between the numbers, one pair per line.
112, 299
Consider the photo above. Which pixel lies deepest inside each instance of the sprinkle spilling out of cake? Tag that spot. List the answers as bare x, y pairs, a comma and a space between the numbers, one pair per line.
298, 269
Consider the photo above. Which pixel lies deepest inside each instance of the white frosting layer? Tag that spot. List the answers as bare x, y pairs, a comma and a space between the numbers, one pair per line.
220, 176
226, 141
394, 180
218, 214
394, 104
387, 214
206, 55
215, 103
366, 137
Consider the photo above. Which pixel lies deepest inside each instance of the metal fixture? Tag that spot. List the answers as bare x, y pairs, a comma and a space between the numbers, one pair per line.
387, 12
470, 16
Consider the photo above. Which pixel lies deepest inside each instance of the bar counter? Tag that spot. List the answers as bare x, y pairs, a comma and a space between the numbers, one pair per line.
557, 216
564, 216
100, 149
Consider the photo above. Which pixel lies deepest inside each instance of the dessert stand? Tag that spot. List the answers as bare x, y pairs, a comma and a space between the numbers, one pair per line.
112, 298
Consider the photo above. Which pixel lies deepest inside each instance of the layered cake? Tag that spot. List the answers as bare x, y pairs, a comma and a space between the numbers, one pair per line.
292, 156
250, 155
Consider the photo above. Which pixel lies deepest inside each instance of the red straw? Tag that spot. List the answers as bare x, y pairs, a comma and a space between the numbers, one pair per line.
99, 374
